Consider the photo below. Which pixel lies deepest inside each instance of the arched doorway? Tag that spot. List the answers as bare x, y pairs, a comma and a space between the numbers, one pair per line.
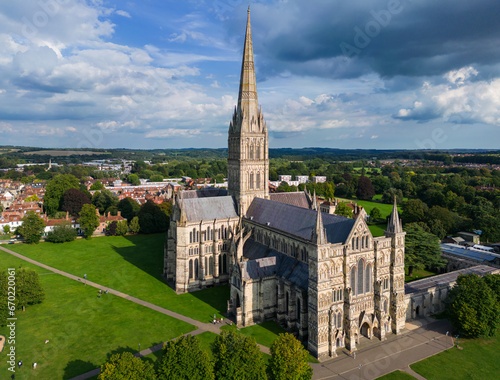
238, 303
417, 311
366, 330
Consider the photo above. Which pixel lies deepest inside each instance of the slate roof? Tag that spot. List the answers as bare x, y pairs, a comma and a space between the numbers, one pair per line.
298, 199
265, 262
469, 253
209, 208
204, 193
446, 278
298, 221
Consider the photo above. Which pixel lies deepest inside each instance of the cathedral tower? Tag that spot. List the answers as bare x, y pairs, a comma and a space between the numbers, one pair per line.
248, 147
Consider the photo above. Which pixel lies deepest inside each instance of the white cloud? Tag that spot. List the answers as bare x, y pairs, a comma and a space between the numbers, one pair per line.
173, 132
459, 77
123, 13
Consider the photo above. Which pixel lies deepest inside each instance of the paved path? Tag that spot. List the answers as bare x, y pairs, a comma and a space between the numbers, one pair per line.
397, 353
201, 327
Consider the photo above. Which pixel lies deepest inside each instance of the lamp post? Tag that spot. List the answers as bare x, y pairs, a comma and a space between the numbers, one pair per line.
457, 340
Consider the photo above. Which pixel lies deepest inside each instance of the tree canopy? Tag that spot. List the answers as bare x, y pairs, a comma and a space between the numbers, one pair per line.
61, 233
184, 359
289, 359
126, 366
32, 228
52, 200
237, 357
473, 306
365, 189
73, 201
422, 249
344, 210
89, 221
129, 208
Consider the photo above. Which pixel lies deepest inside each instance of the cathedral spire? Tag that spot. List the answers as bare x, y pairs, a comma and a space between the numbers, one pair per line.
394, 224
247, 96
319, 233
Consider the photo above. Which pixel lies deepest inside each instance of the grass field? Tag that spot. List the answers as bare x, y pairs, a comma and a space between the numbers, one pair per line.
82, 329
479, 359
132, 265
397, 375
377, 229
418, 274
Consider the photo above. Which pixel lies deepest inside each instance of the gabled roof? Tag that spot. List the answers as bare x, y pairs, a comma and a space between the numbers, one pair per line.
298, 199
209, 208
204, 193
298, 221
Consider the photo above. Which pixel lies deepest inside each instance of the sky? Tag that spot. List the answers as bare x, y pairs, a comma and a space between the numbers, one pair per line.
149, 74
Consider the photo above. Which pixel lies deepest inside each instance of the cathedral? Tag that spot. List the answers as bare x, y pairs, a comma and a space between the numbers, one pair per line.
321, 276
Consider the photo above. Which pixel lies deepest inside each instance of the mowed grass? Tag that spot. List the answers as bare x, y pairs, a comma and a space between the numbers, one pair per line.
82, 329
132, 265
418, 274
377, 229
479, 359
397, 375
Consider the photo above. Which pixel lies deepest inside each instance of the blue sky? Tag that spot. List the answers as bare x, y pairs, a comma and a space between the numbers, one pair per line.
393, 74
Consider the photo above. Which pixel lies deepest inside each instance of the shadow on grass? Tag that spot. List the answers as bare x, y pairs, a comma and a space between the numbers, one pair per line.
216, 297
77, 367
146, 253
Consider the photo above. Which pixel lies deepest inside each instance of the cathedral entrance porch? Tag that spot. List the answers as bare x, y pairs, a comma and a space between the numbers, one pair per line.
366, 330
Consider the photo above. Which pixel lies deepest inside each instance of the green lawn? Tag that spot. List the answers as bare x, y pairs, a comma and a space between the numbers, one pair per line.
479, 359
82, 329
397, 375
132, 265
418, 274
377, 229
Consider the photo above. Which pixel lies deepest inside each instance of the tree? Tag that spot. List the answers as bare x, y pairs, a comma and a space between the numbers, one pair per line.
422, 249
152, 218
6, 229
89, 220
32, 228
129, 208
365, 189
73, 201
184, 358
29, 291
62, 232
4, 307
133, 179
388, 196
413, 211
344, 210
289, 359
473, 307
97, 185
135, 227
237, 357
126, 366
111, 228
375, 214
121, 228
52, 200
104, 200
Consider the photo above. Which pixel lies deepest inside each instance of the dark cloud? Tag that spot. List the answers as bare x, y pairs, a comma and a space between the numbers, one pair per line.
419, 38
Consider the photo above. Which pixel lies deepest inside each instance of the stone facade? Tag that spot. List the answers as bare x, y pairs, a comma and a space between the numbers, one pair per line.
323, 277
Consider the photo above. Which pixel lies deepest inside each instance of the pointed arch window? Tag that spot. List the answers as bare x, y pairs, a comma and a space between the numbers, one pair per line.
250, 184
251, 151
257, 181
368, 279
360, 277
257, 152
353, 280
